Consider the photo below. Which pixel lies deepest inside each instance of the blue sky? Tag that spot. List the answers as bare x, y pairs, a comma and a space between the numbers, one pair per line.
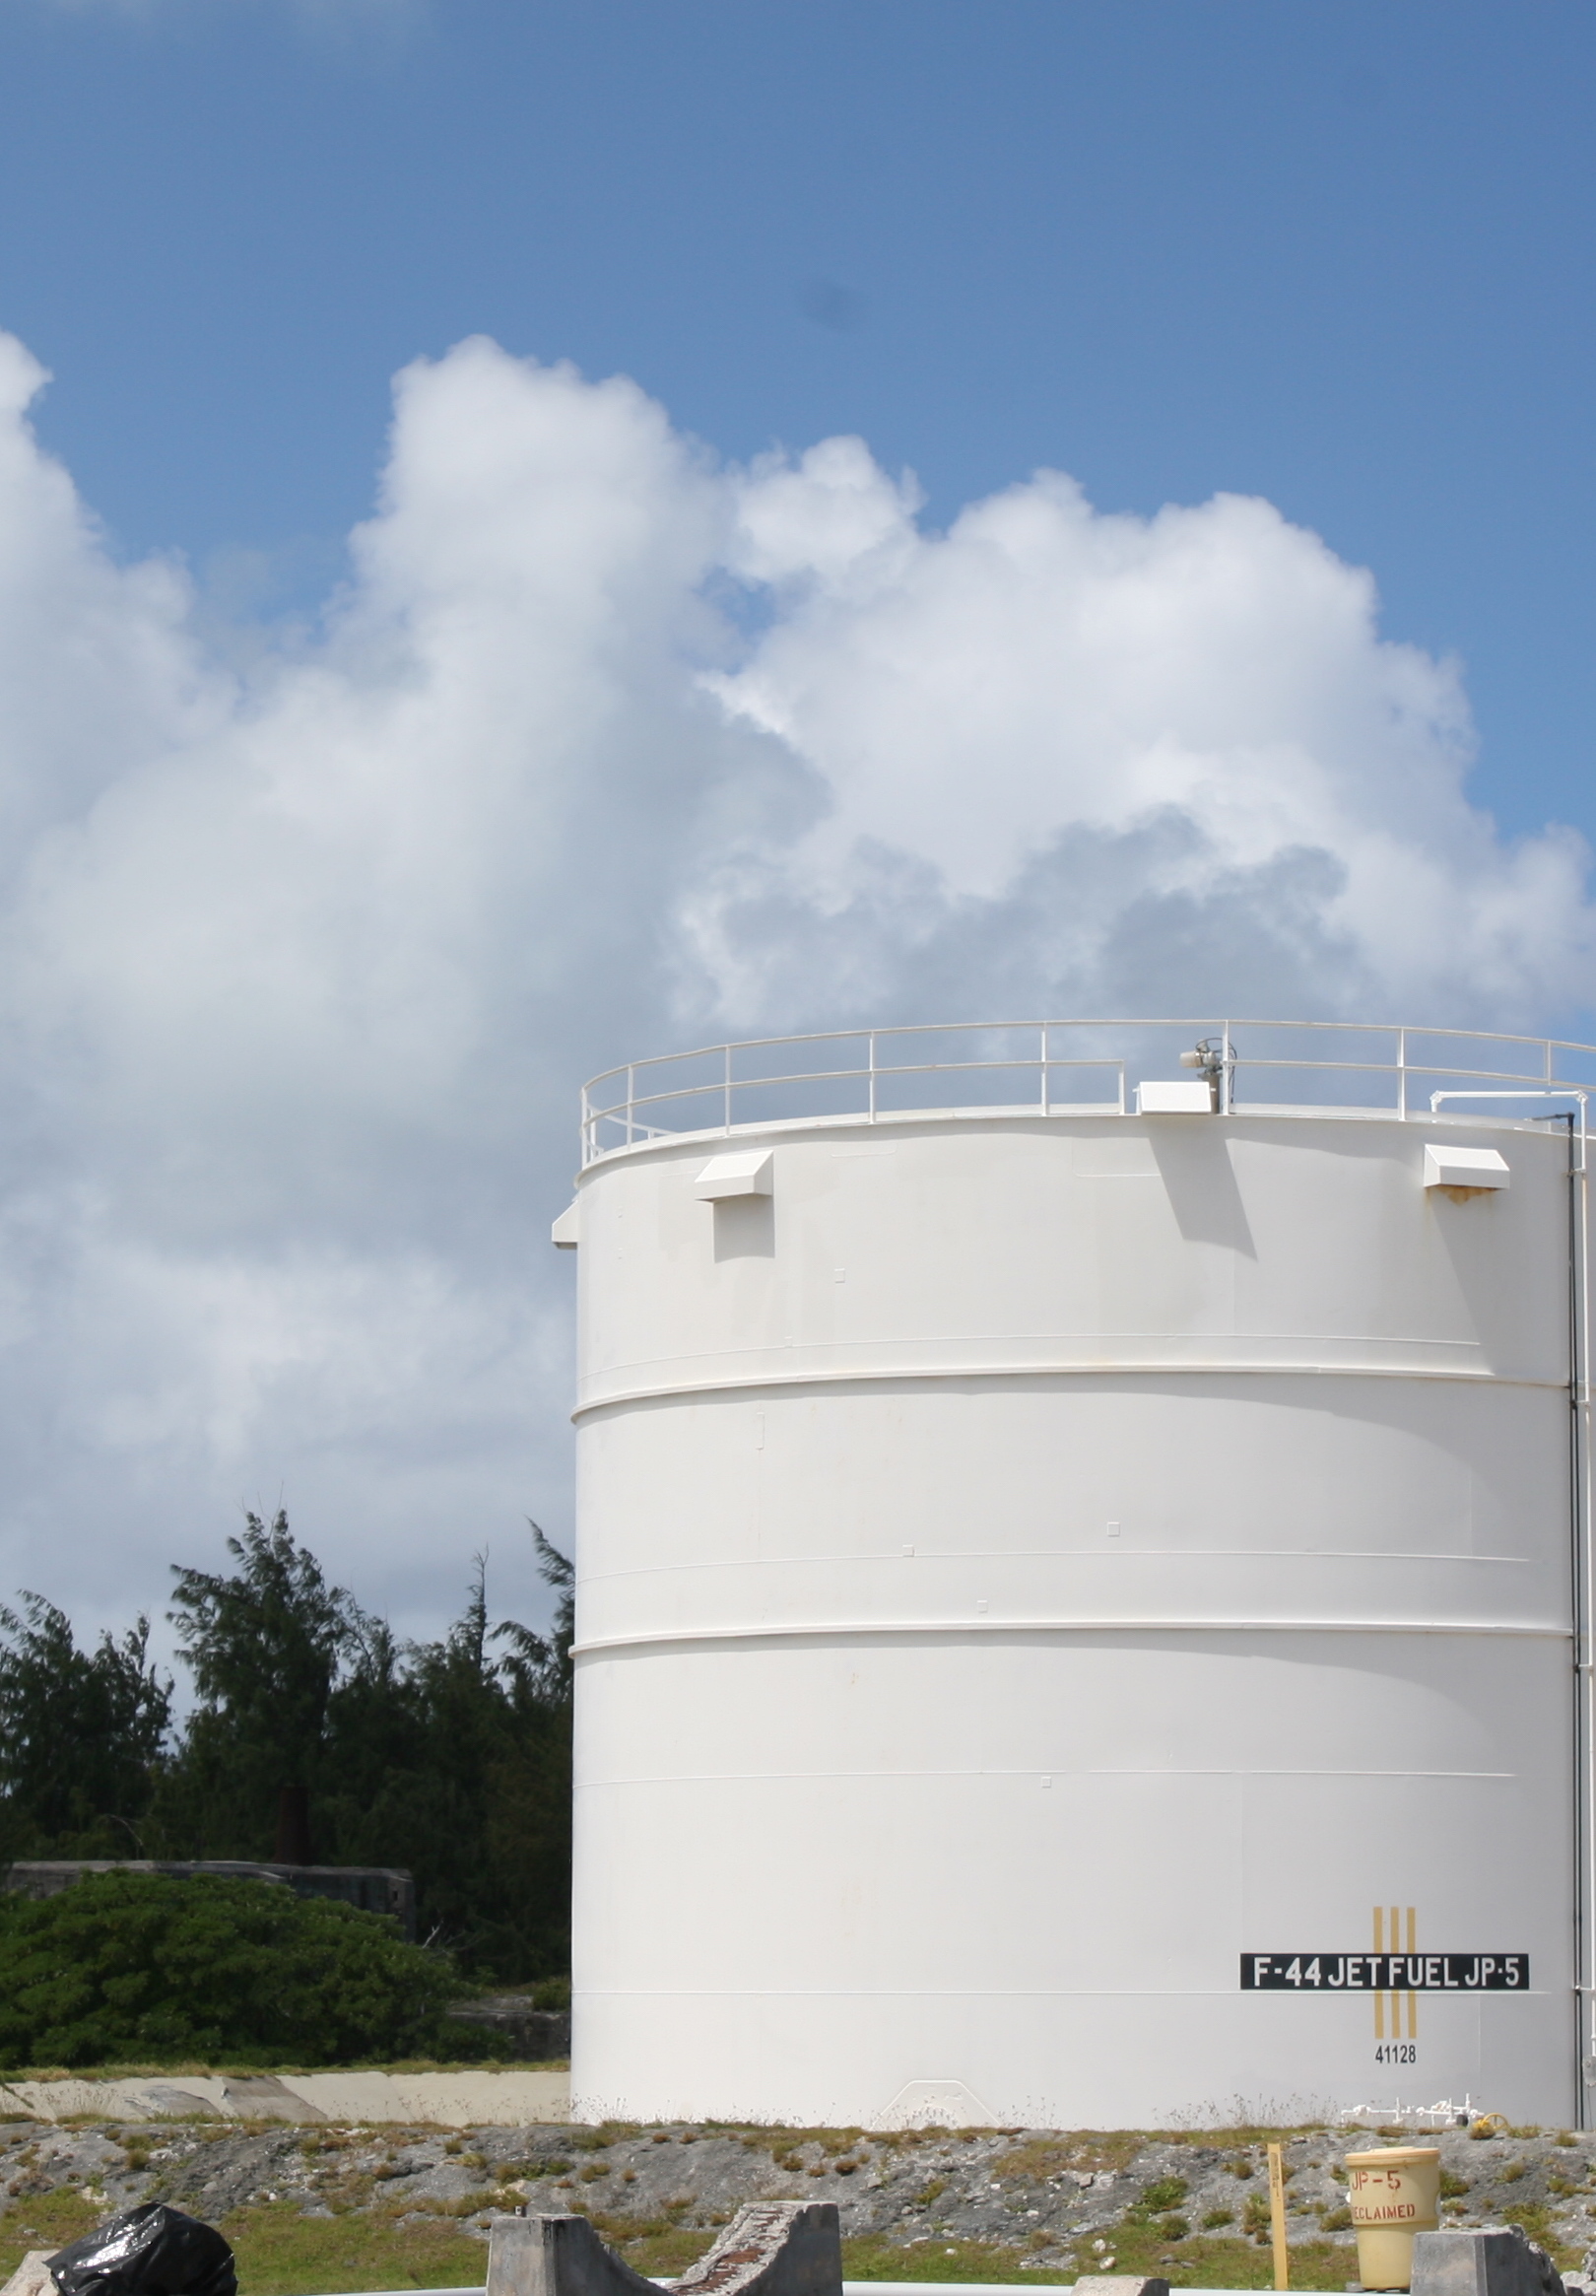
396, 725
1335, 255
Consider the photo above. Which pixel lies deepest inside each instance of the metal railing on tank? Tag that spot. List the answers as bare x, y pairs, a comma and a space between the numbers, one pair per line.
1066, 1068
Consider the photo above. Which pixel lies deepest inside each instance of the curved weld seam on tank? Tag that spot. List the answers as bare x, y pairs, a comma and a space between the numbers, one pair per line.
898, 1629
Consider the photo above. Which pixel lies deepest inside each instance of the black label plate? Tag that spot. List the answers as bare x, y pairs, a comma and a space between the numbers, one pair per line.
1386, 1973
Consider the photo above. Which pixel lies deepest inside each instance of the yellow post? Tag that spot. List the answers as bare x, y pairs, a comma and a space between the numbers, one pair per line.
1277, 2215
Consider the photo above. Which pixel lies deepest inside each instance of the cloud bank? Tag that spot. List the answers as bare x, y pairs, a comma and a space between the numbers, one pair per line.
603, 749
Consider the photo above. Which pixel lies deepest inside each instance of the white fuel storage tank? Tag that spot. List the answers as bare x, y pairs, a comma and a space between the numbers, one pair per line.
1080, 1584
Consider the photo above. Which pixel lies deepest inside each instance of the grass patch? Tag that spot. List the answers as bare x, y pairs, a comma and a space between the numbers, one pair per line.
280, 2253
1253, 2133
1196, 2263
1042, 2157
463, 2204
875, 2258
1535, 2220
1212, 2261
659, 2247
1164, 2193
776, 2137
44, 2220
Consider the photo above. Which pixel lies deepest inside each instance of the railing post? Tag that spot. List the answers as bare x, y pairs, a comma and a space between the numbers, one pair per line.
1044, 1101
1225, 1070
587, 1127
871, 1040
728, 1087
632, 1094
1402, 1075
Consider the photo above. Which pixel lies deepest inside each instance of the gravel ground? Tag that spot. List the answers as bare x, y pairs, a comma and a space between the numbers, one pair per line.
1068, 2200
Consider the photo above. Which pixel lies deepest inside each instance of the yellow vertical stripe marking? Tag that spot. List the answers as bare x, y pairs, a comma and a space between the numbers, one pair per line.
1380, 1946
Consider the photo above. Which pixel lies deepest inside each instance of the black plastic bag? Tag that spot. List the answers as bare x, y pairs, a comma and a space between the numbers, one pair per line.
151, 2251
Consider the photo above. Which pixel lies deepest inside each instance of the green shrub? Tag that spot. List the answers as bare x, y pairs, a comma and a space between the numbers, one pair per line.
1165, 2192
141, 1966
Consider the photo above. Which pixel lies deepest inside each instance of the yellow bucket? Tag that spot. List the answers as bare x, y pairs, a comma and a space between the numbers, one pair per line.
1392, 2195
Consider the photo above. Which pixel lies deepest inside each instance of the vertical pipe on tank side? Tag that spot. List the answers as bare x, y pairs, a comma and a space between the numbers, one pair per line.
1587, 2041
1576, 1619
1584, 1772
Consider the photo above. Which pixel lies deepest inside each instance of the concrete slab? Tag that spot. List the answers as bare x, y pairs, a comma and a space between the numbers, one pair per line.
71, 2099
448, 2100
33, 2276
263, 2097
177, 2099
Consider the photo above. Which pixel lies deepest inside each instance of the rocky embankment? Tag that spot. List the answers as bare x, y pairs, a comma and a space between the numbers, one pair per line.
1054, 2204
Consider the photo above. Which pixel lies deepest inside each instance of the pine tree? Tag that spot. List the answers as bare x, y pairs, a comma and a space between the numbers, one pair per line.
80, 1736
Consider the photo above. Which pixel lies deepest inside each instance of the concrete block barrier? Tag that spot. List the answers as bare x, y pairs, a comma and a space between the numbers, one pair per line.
787, 2248
1497, 2259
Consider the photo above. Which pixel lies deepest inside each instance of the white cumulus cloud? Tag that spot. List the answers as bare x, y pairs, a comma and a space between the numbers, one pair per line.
604, 748
1201, 699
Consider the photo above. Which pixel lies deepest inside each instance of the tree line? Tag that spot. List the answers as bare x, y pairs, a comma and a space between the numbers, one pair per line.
449, 1757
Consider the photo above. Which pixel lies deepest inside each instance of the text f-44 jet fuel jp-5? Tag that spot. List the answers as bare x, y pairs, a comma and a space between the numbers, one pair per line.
1388, 1972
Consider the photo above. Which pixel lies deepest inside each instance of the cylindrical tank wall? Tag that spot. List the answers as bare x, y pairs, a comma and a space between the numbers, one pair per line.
1024, 1566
